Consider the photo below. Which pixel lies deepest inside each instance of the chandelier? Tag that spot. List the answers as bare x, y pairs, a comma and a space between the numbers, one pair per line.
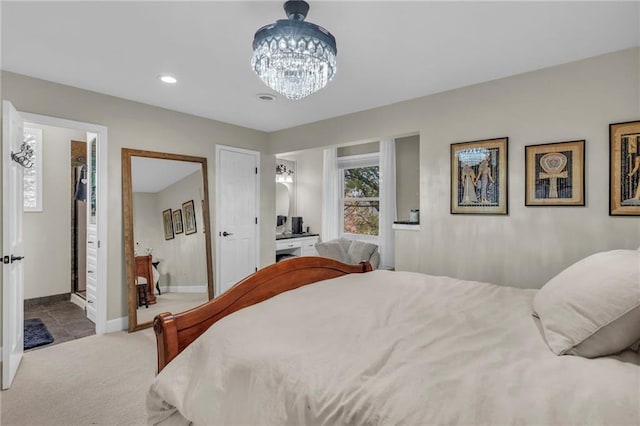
293, 57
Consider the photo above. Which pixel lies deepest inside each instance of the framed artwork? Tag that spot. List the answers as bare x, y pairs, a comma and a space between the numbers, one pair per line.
624, 169
168, 224
554, 174
177, 221
479, 177
189, 217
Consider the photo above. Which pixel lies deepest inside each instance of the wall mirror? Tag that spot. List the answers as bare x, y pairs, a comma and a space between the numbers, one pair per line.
165, 204
282, 204
285, 194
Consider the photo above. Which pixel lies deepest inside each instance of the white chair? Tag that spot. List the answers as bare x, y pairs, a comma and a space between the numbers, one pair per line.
350, 251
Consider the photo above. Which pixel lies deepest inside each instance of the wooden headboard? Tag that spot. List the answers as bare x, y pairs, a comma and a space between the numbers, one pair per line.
174, 332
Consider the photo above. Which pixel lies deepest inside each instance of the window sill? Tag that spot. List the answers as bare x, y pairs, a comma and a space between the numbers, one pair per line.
406, 226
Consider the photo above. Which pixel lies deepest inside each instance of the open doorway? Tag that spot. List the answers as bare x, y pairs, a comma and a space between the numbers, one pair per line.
55, 230
61, 230
18, 156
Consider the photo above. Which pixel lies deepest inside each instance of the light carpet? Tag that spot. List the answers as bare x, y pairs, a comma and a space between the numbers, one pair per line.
99, 380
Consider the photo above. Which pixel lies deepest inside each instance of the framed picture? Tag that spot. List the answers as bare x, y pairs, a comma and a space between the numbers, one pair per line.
479, 177
624, 169
554, 174
168, 224
177, 221
189, 217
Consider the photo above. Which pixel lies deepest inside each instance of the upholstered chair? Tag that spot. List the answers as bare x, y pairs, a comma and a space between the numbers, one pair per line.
350, 251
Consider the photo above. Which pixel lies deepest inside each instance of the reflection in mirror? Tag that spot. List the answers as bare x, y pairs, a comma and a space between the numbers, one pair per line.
167, 246
282, 204
285, 177
93, 156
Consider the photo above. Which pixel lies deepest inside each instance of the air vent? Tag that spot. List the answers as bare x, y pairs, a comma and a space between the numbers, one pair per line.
265, 97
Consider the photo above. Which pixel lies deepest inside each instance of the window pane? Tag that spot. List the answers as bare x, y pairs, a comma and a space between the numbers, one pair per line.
361, 217
361, 182
33, 174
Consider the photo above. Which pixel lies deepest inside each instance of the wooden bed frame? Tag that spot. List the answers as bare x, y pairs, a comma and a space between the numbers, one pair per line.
174, 332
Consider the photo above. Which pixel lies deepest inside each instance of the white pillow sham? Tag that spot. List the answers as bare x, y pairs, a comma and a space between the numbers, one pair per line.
592, 308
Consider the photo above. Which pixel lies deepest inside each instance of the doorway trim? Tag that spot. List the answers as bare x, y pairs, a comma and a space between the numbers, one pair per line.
102, 141
217, 235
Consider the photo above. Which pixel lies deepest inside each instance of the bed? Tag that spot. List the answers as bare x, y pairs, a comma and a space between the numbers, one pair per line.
315, 342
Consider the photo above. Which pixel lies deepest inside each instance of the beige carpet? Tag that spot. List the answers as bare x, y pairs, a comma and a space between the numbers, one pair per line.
171, 302
94, 380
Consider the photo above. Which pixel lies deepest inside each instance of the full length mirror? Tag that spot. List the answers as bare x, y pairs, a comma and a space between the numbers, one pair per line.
167, 240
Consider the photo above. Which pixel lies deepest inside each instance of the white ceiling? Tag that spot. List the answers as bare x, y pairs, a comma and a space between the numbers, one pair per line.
155, 174
387, 51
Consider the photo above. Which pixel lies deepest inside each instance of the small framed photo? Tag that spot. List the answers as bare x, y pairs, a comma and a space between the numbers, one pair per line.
554, 174
479, 177
624, 169
177, 221
168, 224
189, 217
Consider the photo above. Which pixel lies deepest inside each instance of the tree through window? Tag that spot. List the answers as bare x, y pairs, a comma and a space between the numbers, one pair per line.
361, 200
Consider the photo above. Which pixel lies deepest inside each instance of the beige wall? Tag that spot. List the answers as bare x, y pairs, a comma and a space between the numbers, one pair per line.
407, 175
183, 260
359, 149
148, 229
135, 125
525, 248
47, 234
308, 187
573, 101
309, 177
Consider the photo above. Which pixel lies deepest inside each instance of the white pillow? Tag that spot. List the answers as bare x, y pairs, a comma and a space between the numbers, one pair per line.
592, 308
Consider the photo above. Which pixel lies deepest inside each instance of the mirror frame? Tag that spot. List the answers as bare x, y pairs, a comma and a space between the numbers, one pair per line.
127, 212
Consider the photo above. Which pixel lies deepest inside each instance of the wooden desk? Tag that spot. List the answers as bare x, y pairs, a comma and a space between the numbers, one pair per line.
144, 269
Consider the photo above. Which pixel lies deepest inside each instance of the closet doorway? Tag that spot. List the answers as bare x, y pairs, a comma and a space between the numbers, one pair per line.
78, 201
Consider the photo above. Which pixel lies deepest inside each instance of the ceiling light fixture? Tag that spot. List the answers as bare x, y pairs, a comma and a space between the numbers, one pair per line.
168, 79
284, 174
294, 57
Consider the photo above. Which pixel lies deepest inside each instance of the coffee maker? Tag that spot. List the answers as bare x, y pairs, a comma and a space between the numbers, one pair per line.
296, 225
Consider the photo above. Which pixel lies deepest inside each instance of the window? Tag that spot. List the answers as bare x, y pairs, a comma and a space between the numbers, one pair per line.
360, 195
33, 175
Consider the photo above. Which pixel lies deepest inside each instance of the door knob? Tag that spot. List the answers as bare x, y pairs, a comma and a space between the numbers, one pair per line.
14, 258
225, 233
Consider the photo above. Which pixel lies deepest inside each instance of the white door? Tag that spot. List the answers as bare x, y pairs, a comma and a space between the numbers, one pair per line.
237, 204
92, 226
12, 268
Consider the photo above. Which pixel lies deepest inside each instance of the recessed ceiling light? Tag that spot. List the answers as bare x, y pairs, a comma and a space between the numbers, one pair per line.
167, 79
265, 97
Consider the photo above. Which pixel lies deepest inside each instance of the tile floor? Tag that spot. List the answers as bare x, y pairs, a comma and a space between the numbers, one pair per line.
64, 320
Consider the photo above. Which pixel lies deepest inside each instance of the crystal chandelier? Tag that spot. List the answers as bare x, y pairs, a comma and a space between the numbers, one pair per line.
293, 57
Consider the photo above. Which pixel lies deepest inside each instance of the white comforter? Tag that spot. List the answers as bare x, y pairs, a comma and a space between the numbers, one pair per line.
387, 348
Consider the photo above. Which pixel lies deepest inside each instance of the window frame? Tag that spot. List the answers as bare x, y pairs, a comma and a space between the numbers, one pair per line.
355, 162
37, 168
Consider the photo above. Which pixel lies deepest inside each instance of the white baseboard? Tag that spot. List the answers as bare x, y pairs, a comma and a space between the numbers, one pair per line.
118, 324
77, 300
184, 289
